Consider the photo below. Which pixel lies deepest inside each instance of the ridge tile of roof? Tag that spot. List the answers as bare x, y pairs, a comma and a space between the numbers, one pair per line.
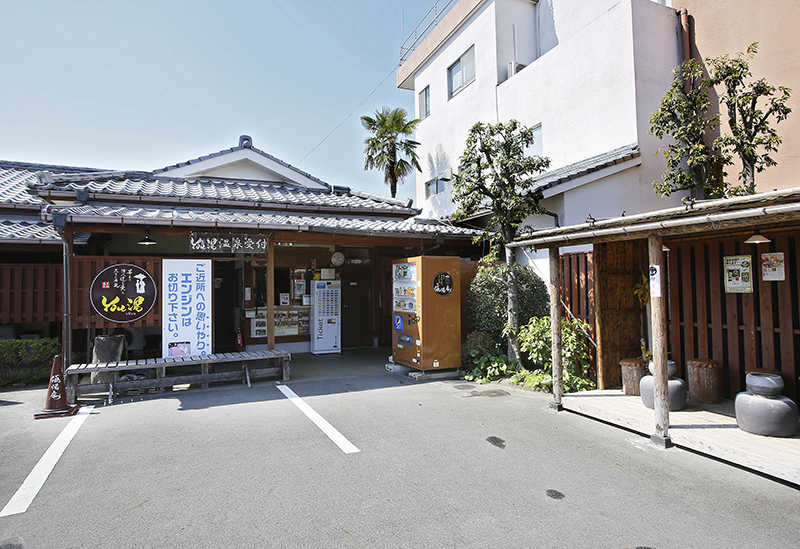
244, 143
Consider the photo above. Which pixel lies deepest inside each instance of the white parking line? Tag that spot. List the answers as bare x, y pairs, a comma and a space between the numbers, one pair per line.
20, 502
345, 445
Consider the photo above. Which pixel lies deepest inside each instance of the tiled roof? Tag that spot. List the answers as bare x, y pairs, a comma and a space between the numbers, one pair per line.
28, 229
224, 191
19, 229
586, 166
260, 220
244, 143
15, 177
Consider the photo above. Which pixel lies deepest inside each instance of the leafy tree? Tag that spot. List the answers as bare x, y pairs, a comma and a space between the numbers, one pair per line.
496, 176
487, 299
389, 148
749, 124
684, 114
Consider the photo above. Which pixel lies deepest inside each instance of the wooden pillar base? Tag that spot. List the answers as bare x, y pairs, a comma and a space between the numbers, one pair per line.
661, 442
557, 406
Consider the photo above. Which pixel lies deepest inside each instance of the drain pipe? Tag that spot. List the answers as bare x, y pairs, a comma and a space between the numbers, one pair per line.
60, 223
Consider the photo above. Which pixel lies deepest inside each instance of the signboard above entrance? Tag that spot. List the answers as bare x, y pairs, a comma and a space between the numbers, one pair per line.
226, 243
123, 293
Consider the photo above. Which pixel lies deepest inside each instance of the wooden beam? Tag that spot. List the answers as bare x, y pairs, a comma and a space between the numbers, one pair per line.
658, 314
555, 327
271, 293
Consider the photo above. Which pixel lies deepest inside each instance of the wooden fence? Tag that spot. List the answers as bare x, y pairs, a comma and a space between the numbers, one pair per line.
30, 292
577, 293
744, 332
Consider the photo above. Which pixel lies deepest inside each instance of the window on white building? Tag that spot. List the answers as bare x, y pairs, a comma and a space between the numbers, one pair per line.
434, 186
425, 103
461, 73
535, 149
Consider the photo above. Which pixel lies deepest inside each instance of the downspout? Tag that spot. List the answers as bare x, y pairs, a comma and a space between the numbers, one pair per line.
686, 43
60, 223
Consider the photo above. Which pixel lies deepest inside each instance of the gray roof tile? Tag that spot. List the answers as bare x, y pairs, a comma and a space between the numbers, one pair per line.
586, 166
261, 192
261, 219
16, 176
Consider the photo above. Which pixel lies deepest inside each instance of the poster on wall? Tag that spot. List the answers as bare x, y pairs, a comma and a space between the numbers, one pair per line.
773, 267
186, 307
738, 274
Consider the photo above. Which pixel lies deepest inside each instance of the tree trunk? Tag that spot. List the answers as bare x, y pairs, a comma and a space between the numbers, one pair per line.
749, 173
513, 305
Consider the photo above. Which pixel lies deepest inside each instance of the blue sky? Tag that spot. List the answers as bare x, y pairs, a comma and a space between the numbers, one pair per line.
142, 84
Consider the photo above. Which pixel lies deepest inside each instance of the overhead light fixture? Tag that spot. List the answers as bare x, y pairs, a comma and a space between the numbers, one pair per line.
757, 239
147, 241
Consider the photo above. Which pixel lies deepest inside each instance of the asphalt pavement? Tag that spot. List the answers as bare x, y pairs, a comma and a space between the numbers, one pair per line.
445, 464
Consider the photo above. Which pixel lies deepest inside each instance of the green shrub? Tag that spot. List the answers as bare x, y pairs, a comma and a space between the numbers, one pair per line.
28, 360
536, 341
487, 299
490, 366
476, 340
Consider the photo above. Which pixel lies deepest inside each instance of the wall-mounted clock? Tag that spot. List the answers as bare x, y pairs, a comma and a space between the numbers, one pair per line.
337, 258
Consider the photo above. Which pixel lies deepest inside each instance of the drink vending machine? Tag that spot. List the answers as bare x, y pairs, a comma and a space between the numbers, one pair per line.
426, 312
325, 319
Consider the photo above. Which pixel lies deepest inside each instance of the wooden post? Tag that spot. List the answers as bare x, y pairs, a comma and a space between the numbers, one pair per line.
66, 331
271, 293
658, 315
555, 327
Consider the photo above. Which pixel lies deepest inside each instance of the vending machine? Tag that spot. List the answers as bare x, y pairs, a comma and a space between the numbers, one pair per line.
426, 316
325, 324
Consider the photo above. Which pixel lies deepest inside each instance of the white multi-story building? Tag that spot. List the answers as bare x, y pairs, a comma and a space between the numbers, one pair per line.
586, 75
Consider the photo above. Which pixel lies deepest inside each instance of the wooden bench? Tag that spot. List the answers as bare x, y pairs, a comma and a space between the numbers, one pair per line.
160, 365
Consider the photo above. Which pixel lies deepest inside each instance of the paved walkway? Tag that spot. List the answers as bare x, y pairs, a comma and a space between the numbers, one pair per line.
708, 429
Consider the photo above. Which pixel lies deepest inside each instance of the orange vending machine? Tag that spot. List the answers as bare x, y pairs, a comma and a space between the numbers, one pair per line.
426, 295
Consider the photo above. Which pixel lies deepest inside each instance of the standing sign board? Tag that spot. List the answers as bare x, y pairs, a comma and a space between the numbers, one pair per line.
186, 307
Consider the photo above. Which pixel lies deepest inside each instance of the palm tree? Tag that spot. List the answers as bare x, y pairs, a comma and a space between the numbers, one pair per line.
389, 146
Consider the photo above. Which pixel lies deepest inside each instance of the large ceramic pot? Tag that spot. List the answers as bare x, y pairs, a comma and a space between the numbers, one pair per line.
766, 385
671, 368
676, 391
762, 410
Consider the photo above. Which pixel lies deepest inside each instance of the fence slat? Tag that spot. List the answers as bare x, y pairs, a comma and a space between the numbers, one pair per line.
733, 364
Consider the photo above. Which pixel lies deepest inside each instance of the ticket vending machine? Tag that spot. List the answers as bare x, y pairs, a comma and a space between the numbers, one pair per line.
426, 312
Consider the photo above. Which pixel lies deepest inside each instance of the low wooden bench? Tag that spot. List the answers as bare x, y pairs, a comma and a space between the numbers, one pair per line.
160, 365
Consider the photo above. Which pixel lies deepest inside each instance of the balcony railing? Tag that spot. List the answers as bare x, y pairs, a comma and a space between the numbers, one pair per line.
424, 28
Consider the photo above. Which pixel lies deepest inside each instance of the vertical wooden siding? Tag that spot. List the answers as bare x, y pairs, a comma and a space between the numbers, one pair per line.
577, 293
30, 292
85, 268
577, 287
618, 266
758, 331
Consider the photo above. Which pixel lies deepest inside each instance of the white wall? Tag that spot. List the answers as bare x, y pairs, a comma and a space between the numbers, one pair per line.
443, 134
603, 68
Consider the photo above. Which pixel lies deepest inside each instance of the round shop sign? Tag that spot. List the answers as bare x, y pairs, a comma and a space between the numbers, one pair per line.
442, 284
123, 293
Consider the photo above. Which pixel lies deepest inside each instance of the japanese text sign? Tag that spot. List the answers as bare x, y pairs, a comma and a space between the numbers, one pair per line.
123, 293
186, 307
